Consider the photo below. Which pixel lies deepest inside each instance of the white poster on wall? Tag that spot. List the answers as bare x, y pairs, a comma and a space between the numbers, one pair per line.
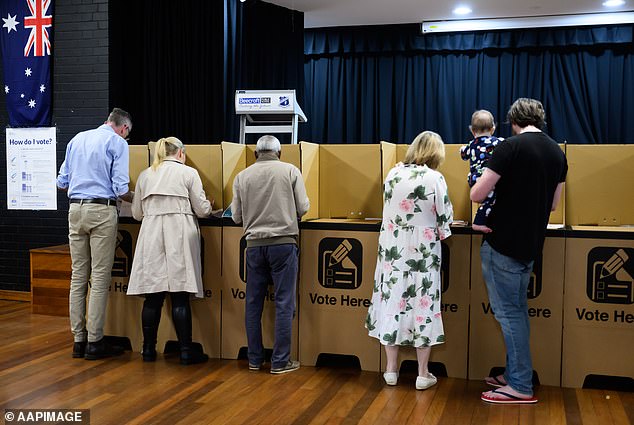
31, 168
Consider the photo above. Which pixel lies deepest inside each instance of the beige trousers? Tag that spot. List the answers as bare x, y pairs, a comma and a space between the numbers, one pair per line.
92, 235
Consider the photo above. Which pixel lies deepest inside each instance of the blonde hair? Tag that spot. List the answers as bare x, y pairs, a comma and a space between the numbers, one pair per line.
426, 149
165, 147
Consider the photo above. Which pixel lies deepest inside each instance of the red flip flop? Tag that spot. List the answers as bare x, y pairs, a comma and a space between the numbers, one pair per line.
507, 398
494, 381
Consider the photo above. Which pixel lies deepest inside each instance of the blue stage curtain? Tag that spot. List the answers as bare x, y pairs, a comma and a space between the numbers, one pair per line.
389, 83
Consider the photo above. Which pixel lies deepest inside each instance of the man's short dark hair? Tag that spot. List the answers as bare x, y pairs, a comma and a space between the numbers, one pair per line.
525, 112
120, 117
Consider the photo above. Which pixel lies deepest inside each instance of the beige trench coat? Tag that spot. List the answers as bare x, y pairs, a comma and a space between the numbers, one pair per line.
167, 255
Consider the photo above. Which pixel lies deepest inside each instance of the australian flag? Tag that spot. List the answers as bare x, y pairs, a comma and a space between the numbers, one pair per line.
26, 39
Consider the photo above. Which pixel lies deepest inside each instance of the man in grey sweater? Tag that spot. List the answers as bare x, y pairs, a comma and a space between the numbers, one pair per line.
269, 198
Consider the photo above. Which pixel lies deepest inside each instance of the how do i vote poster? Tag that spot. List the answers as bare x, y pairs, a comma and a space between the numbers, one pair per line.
31, 168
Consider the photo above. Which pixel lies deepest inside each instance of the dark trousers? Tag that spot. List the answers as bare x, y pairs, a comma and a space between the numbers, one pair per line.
265, 264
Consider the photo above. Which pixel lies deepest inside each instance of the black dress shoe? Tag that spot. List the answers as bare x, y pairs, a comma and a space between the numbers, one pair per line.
79, 349
101, 349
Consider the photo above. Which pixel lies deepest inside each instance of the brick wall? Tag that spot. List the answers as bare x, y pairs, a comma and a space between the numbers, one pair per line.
81, 101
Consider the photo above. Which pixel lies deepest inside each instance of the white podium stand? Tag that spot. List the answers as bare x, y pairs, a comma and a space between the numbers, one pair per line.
268, 111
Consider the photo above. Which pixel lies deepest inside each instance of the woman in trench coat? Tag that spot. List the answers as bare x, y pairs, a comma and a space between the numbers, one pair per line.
168, 197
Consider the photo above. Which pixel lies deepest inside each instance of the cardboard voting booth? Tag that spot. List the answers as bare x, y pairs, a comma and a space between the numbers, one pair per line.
545, 298
599, 304
234, 160
350, 181
207, 160
559, 215
455, 171
599, 288
309, 165
344, 185
389, 157
123, 314
336, 281
139, 161
599, 185
454, 273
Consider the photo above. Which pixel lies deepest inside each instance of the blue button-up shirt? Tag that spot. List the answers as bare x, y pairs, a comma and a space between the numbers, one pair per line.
96, 165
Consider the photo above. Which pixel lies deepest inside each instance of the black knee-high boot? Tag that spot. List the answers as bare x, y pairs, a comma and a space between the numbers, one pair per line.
182, 317
150, 319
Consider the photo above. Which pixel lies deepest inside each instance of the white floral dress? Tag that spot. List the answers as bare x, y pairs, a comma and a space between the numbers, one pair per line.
406, 302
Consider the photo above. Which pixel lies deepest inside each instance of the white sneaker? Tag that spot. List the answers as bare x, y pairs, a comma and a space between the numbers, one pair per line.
391, 378
424, 382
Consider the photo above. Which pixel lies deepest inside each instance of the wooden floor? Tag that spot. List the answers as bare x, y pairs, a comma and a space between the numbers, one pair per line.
37, 371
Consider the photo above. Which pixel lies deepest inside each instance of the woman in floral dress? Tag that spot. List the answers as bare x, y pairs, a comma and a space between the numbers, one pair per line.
406, 303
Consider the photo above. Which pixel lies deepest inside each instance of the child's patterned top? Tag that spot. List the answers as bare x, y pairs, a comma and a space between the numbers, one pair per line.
478, 152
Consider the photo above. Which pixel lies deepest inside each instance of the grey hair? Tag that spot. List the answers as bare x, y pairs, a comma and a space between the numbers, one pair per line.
268, 143
120, 117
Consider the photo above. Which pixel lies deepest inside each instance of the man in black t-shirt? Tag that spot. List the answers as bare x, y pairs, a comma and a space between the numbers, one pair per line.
527, 171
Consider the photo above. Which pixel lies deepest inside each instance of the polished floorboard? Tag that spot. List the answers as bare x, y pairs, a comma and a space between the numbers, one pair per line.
37, 371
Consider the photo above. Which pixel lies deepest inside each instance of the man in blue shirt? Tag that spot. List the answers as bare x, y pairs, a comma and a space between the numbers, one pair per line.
95, 174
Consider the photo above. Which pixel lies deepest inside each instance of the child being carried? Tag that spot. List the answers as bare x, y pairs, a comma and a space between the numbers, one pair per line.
478, 152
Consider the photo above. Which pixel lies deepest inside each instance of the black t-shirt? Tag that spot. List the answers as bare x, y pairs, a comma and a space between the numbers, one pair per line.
531, 165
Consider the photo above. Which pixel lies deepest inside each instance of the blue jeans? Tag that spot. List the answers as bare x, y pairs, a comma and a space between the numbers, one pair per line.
276, 263
507, 284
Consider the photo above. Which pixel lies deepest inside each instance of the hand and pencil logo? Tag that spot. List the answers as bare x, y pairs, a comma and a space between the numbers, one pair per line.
122, 265
611, 275
340, 263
